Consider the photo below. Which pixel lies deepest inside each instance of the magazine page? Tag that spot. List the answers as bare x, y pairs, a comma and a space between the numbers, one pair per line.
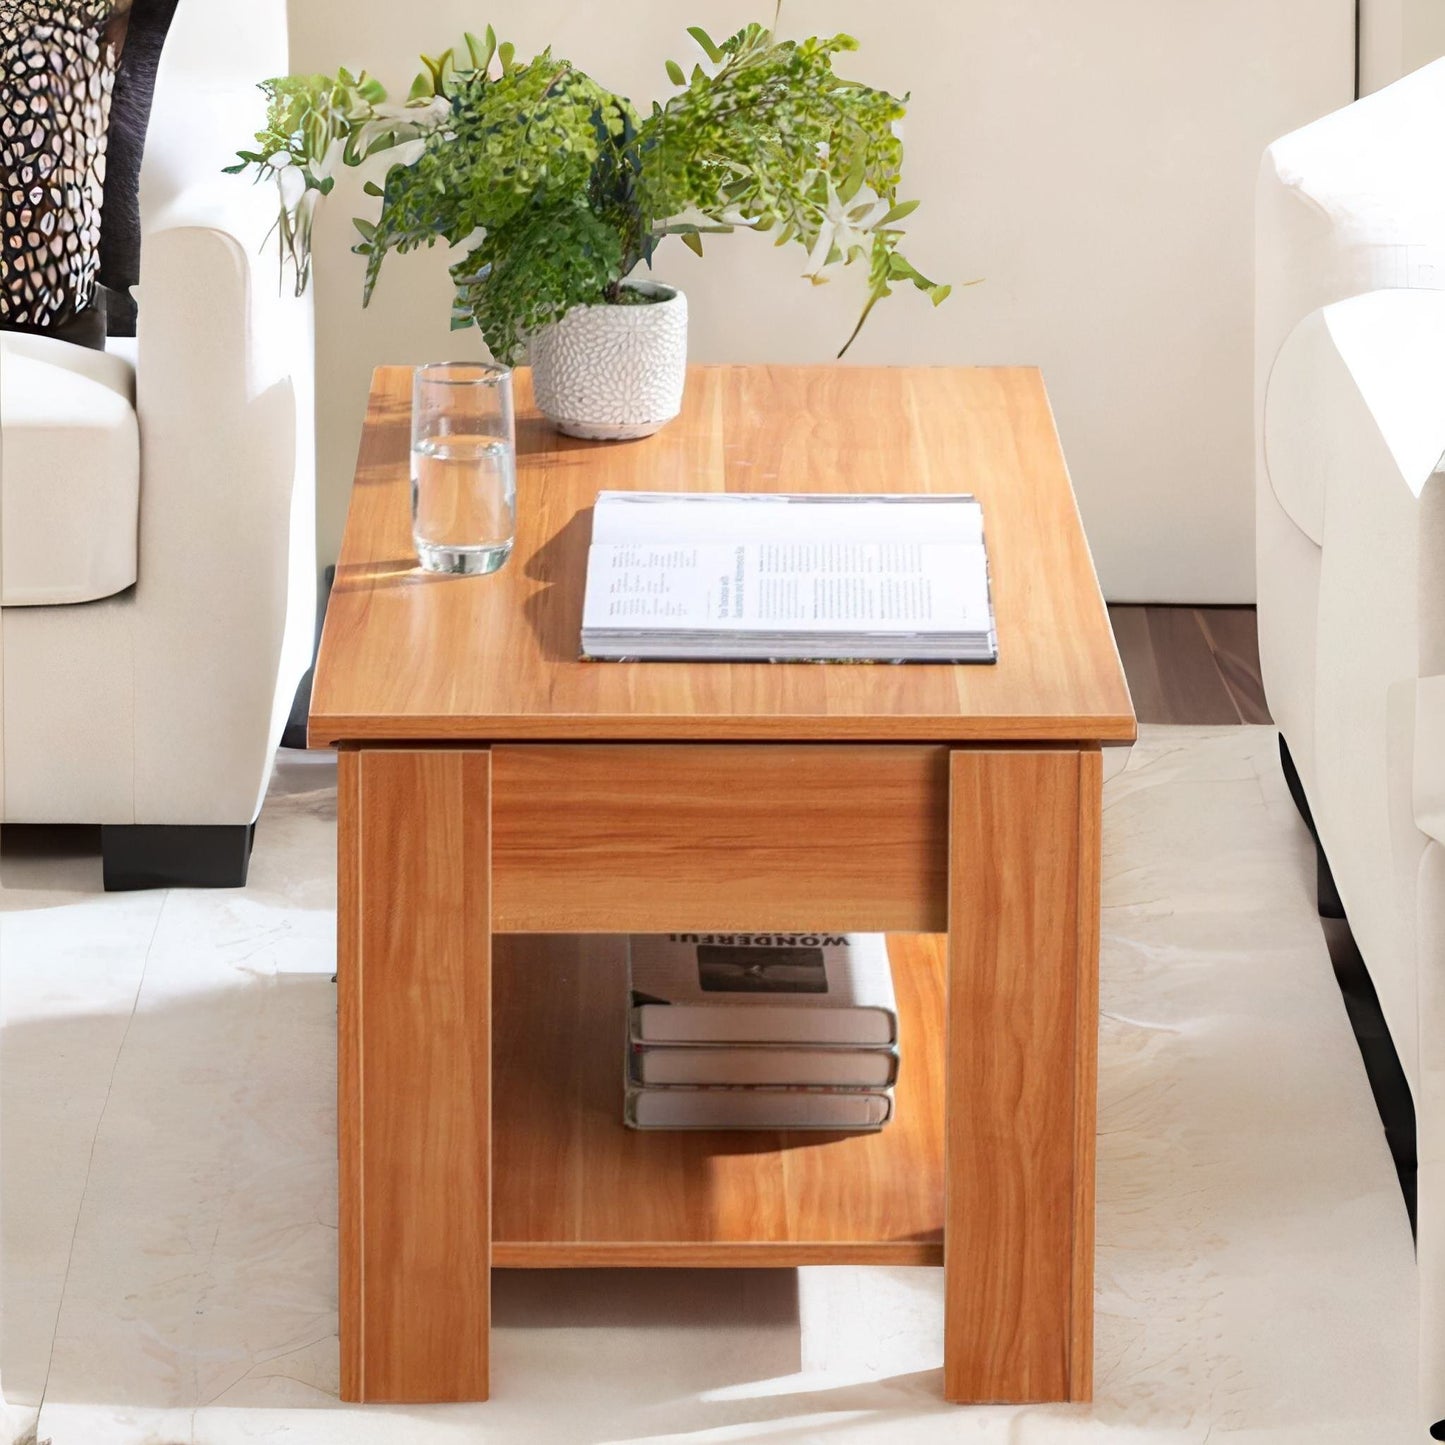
739, 517
778, 586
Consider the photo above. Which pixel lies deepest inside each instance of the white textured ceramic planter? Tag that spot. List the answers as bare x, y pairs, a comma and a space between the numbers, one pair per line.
611, 372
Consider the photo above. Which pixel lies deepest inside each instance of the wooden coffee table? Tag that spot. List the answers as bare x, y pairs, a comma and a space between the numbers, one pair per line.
501, 804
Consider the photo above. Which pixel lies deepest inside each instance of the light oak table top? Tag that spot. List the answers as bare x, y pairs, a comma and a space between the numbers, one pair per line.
408, 656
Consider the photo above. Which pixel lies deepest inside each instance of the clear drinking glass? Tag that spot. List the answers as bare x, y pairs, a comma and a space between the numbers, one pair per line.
463, 466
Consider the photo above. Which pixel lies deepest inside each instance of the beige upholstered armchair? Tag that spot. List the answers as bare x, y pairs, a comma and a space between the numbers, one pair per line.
158, 577
1350, 374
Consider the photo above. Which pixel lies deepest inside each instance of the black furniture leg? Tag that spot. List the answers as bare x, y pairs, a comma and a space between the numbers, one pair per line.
1393, 1101
163, 855
1327, 896
1296, 788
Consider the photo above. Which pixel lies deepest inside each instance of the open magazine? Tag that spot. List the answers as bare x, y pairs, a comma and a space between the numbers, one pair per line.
807, 577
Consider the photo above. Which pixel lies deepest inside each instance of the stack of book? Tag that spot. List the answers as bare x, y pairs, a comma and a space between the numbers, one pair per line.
760, 1031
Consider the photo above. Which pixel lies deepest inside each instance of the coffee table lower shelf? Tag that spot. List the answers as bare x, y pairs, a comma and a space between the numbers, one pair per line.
573, 1188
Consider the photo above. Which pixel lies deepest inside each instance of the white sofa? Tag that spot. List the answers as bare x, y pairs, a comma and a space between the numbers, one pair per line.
158, 579
1350, 388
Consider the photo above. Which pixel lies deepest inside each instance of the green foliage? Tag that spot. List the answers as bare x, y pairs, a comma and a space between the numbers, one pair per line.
772, 139
521, 143
557, 190
533, 269
314, 123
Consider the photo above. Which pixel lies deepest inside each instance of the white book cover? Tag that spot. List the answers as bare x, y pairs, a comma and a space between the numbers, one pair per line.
756, 1109
817, 989
764, 1065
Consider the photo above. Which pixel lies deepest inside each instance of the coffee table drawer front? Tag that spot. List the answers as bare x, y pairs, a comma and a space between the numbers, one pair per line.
660, 837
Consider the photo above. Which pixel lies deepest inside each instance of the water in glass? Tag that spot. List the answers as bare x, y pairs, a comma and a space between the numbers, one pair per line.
463, 491
463, 466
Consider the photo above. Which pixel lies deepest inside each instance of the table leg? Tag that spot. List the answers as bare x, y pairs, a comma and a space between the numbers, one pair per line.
414, 1073
1021, 1089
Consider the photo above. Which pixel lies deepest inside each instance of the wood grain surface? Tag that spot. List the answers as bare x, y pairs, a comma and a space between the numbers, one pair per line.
574, 1187
1022, 1037
1086, 1071
414, 1075
656, 837
410, 655
624, 797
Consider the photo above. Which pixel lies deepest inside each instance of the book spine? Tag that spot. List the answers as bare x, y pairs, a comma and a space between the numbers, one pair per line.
641, 1050
642, 1010
636, 1097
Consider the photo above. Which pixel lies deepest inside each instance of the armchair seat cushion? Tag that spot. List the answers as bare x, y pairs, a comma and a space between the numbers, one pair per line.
69, 472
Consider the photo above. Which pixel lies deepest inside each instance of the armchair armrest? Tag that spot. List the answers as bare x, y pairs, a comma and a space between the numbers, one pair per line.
1354, 432
225, 591
1367, 371
1429, 773
1351, 203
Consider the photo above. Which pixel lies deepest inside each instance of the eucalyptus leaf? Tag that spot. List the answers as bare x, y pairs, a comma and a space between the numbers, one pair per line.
853, 181
703, 39
898, 212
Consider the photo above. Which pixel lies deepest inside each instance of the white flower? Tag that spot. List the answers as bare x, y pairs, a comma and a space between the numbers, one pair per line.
838, 229
279, 160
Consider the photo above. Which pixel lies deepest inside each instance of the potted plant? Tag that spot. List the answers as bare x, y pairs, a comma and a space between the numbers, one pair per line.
556, 190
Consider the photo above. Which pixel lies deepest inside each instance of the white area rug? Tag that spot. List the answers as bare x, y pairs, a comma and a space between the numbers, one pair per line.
169, 1185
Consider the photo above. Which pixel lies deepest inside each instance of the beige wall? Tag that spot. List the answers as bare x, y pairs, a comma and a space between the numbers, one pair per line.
1398, 36
1094, 163
1424, 33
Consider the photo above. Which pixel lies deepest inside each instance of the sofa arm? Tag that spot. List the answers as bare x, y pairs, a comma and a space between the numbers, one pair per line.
1429, 778
225, 591
1354, 431
1354, 426
1352, 203
1365, 372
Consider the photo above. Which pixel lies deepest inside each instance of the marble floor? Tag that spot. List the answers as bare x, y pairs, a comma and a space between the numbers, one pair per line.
168, 1180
